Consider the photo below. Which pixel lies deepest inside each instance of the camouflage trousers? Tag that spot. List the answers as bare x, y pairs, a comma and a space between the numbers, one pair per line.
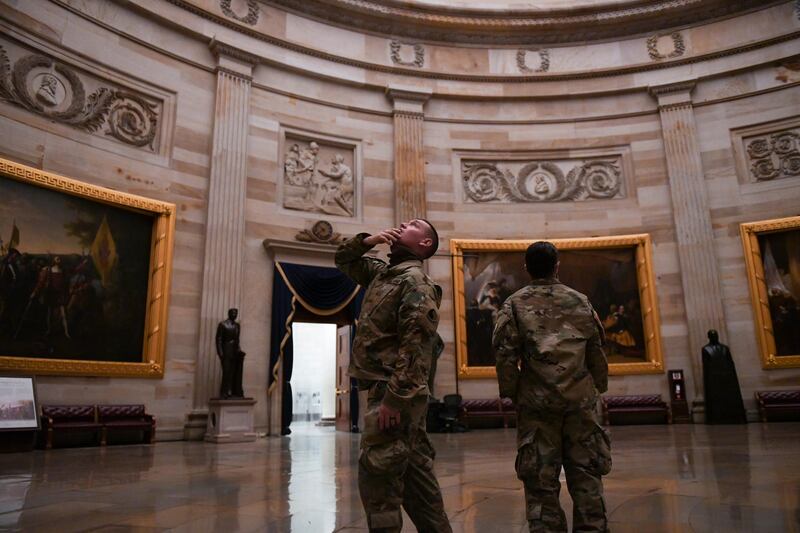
574, 439
395, 469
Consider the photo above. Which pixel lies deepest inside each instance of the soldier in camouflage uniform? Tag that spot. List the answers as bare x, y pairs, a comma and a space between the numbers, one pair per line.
547, 343
391, 358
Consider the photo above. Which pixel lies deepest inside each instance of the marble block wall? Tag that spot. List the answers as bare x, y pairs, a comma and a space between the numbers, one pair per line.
313, 79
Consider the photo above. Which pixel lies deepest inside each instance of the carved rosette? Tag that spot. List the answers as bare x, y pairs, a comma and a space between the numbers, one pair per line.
774, 156
542, 181
678, 46
251, 17
55, 91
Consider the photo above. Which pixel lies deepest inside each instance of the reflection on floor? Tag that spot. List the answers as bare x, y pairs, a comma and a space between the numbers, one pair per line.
665, 479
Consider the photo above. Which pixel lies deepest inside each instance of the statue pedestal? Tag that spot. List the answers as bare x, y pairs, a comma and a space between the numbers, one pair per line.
231, 420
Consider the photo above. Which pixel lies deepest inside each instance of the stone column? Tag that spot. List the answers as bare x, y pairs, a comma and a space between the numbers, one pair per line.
409, 156
699, 271
224, 236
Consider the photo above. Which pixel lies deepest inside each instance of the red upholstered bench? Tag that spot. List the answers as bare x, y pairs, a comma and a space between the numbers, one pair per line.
69, 419
635, 409
778, 405
126, 417
492, 412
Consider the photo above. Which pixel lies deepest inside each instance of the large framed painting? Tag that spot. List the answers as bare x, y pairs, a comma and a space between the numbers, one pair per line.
616, 273
772, 256
84, 277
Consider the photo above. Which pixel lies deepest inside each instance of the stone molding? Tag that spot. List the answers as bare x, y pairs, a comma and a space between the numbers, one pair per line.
58, 91
491, 78
517, 26
222, 50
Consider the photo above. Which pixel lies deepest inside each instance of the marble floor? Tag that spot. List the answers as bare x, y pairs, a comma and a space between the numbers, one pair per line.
665, 479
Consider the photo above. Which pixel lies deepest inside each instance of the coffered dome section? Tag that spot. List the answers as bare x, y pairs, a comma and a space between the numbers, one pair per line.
517, 22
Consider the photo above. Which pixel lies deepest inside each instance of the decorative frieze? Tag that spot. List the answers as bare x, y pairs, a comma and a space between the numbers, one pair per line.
59, 92
319, 175
409, 55
538, 180
251, 17
657, 46
543, 59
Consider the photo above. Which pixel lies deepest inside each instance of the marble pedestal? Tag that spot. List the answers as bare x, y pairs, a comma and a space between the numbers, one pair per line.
231, 420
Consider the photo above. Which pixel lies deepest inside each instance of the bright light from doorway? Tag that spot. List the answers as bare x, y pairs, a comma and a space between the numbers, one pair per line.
314, 372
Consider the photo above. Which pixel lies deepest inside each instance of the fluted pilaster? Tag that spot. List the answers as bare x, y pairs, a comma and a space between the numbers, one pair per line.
699, 271
409, 152
224, 236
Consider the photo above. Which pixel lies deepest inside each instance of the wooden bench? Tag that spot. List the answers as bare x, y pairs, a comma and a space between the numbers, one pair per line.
96, 420
778, 405
494, 412
635, 409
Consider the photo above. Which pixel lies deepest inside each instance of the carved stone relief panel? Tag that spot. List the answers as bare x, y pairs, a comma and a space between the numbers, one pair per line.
56, 90
768, 152
320, 175
666, 46
773, 156
554, 178
409, 55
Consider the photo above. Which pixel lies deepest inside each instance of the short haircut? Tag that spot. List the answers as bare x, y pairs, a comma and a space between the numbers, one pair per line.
541, 259
434, 235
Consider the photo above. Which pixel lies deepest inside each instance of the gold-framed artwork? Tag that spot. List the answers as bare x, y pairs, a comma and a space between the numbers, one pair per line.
772, 257
616, 273
84, 277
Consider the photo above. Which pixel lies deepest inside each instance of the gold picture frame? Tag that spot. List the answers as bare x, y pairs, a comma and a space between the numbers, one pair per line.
155, 274
645, 285
759, 293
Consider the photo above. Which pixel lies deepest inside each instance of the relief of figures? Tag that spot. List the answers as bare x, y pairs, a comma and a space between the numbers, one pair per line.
318, 179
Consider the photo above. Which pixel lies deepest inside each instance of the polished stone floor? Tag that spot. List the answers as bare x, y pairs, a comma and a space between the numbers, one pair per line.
665, 479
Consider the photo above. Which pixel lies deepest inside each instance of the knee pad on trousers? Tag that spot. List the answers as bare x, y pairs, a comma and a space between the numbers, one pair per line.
385, 519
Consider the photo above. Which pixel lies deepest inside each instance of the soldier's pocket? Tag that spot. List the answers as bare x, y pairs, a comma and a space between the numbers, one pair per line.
527, 463
386, 459
600, 443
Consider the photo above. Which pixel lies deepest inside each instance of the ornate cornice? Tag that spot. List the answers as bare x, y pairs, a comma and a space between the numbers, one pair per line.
489, 78
222, 49
517, 26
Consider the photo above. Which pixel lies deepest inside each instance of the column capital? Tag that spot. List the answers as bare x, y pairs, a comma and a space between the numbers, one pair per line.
673, 94
408, 99
233, 60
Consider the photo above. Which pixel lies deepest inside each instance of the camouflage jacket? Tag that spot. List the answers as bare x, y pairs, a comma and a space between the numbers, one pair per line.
547, 343
396, 330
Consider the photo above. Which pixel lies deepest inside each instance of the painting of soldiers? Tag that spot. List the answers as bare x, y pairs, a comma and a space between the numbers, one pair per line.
73, 276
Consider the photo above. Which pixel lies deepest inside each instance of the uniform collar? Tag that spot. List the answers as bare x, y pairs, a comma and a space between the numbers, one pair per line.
405, 265
545, 281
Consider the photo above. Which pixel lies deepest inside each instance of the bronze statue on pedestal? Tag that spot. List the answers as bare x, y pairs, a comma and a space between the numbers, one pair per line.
231, 356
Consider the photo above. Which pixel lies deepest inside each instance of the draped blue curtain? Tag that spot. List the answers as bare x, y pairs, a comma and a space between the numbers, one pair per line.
321, 290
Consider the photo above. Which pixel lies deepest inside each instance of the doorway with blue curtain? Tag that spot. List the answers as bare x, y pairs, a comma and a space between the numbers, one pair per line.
309, 294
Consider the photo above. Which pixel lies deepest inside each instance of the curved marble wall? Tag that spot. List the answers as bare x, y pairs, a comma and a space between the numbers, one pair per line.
236, 83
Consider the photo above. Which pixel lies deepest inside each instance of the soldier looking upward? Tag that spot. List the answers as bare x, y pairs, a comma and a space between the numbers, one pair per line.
547, 344
391, 359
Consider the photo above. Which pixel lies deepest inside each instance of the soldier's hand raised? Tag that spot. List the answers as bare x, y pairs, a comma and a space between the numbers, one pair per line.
387, 236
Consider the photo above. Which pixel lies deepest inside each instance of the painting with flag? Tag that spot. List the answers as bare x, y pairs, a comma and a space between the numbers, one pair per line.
78, 287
